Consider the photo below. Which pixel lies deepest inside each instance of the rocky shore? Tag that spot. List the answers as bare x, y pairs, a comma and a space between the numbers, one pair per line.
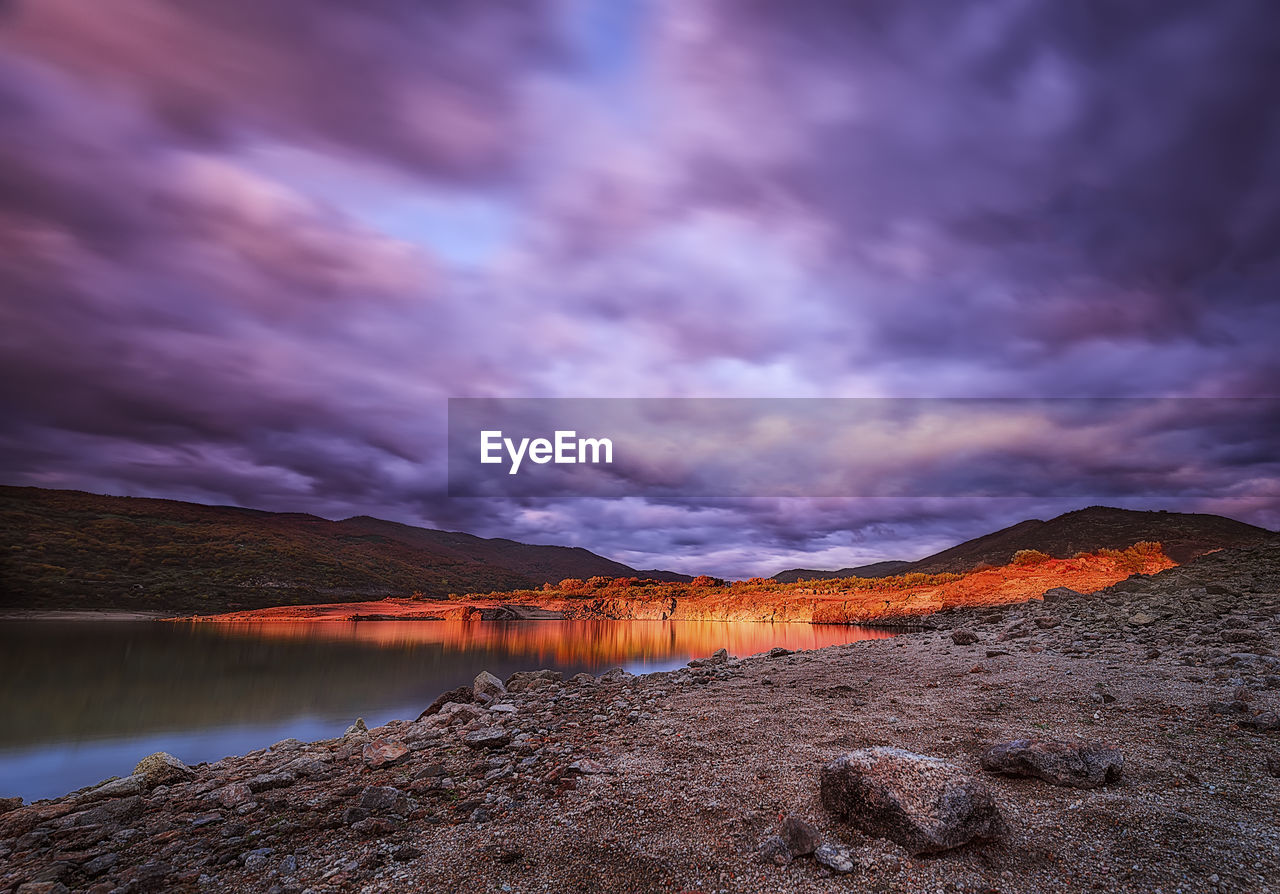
1124, 740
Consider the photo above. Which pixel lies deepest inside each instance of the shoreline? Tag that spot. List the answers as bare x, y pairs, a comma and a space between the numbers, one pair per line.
83, 615
671, 780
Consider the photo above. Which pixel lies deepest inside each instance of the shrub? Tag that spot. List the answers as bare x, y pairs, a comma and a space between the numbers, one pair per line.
1025, 557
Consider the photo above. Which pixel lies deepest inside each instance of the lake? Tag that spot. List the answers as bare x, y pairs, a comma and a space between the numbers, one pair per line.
85, 700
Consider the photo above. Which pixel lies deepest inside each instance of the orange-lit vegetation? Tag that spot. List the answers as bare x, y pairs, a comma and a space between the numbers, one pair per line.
831, 601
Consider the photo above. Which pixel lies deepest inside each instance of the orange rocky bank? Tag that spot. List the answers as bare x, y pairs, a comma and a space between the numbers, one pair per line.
889, 601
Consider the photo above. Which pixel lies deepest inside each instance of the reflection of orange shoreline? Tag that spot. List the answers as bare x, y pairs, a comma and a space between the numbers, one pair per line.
564, 642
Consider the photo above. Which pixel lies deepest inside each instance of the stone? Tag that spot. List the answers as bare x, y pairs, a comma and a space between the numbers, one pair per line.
1263, 720
161, 767
1058, 763
266, 781
923, 803
1059, 593
463, 695
582, 678
1016, 630
108, 814
374, 827
357, 730
1142, 619
309, 766
384, 799
964, 637
384, 753
522, 681
256, 859
490, 737
42, 888
802, 837
487, 687
779, 652
774, 850
8, 804
99, 864
834, 857
587, 767
135, 784
232, 795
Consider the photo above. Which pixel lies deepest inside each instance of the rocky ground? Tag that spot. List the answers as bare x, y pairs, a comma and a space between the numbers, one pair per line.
679, 781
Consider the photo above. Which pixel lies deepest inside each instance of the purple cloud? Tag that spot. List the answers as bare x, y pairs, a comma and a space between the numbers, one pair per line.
247, 250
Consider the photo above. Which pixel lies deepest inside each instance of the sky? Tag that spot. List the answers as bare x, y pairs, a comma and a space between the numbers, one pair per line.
249, 250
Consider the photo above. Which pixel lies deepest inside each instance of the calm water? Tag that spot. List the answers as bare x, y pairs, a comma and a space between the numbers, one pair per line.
85, 700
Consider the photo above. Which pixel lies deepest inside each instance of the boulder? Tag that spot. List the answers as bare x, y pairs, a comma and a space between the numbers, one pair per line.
964, 637
802, 837
487, 687
357, 730
1263, 720
1059, 763
491, 737
522, 681
116, 788
384, 799
461, 695
923, 803
384, 753
161, 768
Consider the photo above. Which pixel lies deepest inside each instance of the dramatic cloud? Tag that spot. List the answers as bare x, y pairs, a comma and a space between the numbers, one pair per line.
247, 250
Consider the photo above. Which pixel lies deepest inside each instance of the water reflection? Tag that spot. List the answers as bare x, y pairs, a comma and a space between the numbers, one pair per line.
85, 700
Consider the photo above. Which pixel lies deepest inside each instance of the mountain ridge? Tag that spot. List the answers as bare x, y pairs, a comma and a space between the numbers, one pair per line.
1183, 535
73, 549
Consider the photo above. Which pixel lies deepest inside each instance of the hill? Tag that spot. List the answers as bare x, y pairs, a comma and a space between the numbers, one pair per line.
1183, 535
875, 569
69, 549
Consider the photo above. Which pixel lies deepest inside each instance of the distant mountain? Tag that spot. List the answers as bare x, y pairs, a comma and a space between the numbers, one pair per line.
69, 549
1184, 536
875, 569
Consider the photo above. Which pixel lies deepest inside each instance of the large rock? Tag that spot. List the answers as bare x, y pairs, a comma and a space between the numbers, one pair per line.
487, 687
384, 799
522, 681
461, 695
162, 768
116, 788
801, 836
384, 753
923, 803
964, 637
1060, 763
490, 737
